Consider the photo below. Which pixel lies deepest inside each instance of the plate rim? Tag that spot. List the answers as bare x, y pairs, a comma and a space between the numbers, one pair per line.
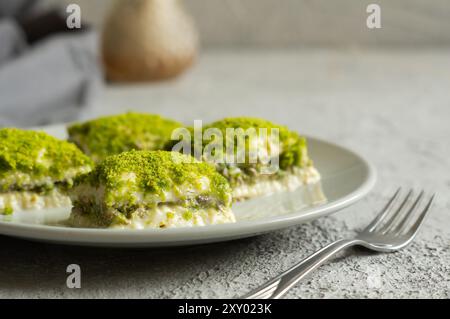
208, 233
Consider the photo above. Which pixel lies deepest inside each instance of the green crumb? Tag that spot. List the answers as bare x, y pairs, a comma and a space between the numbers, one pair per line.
7, 210
187, 215
36, 155
170, 215
154, 173
115, 134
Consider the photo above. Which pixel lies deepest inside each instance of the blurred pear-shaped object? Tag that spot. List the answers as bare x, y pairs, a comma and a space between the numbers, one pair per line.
146, 40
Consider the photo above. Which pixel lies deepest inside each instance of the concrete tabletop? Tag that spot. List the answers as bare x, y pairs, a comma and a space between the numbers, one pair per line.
393, 107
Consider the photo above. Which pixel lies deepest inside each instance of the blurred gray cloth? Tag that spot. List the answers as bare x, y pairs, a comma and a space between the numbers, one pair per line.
17, 8
12, 40
48, 82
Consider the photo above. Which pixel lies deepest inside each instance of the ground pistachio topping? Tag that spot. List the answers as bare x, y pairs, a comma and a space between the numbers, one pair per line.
293, 146
115, 134
27, 156
7, 210
124, 175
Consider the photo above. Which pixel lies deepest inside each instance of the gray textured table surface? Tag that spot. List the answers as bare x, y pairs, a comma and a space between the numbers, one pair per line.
392, 107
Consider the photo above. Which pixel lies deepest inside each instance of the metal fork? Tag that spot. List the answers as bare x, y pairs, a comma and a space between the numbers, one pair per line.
391, 230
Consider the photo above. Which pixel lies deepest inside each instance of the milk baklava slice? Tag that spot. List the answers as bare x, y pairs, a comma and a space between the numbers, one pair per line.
151, 189
273, 159
37, 170
115, 134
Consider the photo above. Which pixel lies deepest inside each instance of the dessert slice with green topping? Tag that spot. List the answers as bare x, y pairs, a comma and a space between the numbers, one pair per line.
151, 189
36, 170
115, 134
264, 158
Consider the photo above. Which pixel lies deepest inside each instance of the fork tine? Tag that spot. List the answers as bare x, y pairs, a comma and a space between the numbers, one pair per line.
391, 221
408, 215
382, 214
416, 226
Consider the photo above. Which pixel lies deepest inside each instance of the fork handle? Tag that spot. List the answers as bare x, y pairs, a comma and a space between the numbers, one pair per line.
278, 286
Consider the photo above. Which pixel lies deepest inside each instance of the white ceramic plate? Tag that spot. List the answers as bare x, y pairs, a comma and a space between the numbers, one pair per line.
346, 178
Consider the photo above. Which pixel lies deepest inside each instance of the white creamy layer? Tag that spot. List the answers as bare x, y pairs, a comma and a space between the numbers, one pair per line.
176, 216
19, 201
290, 182
171, 196
163, 216
19, 178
